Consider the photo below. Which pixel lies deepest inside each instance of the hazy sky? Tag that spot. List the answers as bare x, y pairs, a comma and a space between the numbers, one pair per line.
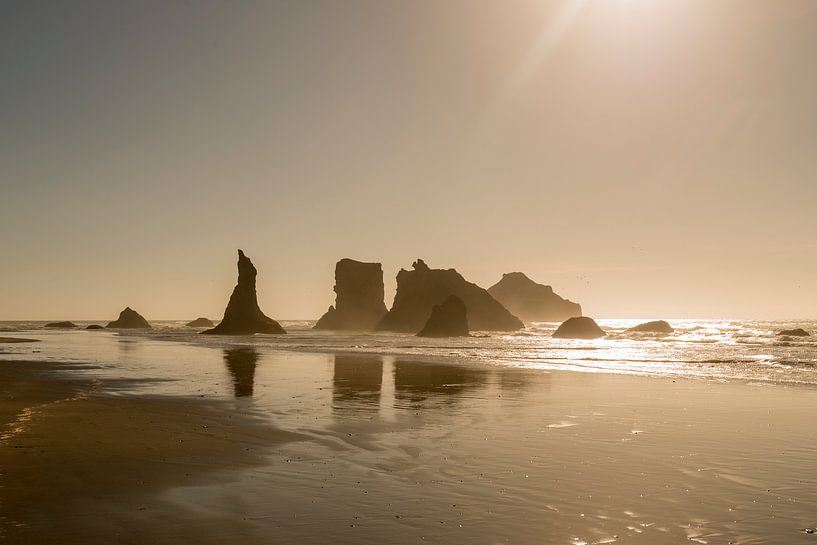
646, 158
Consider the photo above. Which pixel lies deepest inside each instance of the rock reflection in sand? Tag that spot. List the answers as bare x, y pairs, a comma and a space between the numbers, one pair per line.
357, 382
241, 364
420, 381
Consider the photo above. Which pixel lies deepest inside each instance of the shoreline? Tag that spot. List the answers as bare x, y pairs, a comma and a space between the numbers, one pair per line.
109, 455
350, 448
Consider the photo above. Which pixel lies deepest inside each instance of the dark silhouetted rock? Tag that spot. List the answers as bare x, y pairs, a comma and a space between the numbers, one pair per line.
242, 315
201, 322
420, 289
532, 302
129, 319
794, 333
94, 326
448, 319
580, 327
359, 297
61, 325
658, 326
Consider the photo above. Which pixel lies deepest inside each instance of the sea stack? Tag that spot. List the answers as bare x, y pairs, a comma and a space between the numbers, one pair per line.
129, 319
657, 326
242, 315
359, 297
448, 319
532, 302
420, 289
580, 327
201, 322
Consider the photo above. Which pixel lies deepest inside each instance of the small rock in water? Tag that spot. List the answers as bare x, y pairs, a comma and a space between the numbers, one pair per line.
793, 333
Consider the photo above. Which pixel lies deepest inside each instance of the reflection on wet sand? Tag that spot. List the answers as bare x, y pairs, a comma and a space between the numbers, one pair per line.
241, 364
357, 382
418, 381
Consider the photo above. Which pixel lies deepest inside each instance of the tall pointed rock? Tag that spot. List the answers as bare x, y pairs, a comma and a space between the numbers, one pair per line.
242, 315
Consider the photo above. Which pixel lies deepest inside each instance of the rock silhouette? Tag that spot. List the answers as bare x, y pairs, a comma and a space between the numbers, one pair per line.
657, 326
129, 319
420, 289
242, 315
448, 319
359, 297
580, 327
61, 325
201, 322
94, 326
532, 302
794, 333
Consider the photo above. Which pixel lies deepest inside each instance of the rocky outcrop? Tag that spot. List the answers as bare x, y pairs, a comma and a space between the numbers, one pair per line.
242, 315
420, 289
129, 319
61, 325
580, 327
794, 333
94, 326
201, 322
657, 326
448, 319
532, 302
359, 297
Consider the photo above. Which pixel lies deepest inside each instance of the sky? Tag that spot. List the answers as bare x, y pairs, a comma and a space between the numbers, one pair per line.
645, 158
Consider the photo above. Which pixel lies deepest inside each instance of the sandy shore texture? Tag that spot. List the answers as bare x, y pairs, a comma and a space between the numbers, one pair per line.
315, 448
79, 465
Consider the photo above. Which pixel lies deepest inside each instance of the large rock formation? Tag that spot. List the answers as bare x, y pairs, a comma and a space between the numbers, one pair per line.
794, 333
420, 289
448, 319
580, 327
61, 325
359, 301
532, 302
658, 326
242, 315
129, 319
201, 322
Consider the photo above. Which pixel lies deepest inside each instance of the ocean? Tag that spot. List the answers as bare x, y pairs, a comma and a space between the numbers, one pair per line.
748, 350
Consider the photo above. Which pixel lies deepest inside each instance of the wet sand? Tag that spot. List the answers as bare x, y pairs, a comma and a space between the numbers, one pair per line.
303, 448
79, 465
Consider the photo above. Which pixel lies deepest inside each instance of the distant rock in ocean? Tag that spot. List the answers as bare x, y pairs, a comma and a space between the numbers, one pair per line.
61, 325
242, 315
657, 326
448, 319
794, 333
420, 289
201, 322
129, 319
359, 297
532, 302
580, 327
94, 326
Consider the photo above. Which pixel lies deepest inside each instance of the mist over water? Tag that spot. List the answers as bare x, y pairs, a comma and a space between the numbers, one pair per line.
712, 349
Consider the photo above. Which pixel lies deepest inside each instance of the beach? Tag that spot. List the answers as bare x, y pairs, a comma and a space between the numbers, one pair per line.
250, 445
